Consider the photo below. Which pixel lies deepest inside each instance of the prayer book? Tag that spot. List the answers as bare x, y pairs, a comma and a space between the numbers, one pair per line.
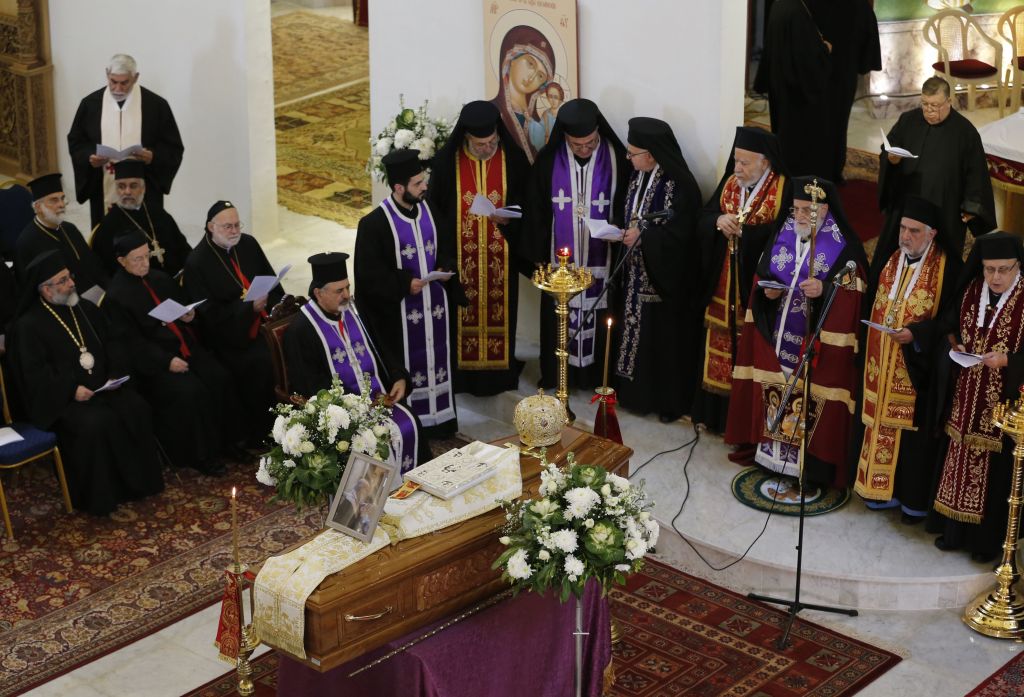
773, 285
115, 154
93, 295
966, 360
437, 276
451, 474
901, 152
112, 384
171, 310
880, 327
603, 230
483, 206
261, 286
8, 435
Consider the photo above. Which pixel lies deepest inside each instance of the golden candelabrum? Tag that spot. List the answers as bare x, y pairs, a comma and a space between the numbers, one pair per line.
563, 284
247, 639
1000, 612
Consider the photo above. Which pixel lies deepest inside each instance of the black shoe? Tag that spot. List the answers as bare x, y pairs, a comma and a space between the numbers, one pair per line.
908, 519
941, 543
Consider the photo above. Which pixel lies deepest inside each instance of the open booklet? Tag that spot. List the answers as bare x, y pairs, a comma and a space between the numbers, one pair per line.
773, 285
901, 152
261, 286
115, 154
437, 276
93, 295
171, 310
880, 327
112, 384
603, 230
967, 360
482, 206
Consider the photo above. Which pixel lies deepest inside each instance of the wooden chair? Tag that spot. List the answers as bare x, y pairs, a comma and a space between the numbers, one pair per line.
273, 332
1011, 29
948, 32
35, 444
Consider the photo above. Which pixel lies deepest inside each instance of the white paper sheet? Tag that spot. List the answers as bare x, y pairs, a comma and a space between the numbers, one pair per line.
483, 206
901, 152
115, 154
966, 360
8, 435
93, 295
603, 230
113, 384
438, 276
261, 286
773, 285
171, 310
880, 327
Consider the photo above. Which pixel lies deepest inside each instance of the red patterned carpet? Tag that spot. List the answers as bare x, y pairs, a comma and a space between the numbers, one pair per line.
684, 636
1008, 681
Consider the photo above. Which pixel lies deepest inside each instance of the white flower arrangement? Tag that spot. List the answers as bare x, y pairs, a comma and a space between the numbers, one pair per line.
312, 443
411, 128
587, 524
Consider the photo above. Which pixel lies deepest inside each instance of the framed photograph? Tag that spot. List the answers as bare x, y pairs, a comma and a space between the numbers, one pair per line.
359, 501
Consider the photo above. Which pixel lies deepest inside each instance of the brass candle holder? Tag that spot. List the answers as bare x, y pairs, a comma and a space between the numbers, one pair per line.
247, 639
1000, 612
563, 284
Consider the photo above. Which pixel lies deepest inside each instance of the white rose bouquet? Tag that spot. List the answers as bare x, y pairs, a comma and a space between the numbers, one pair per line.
312, 443
411, 128
587, 524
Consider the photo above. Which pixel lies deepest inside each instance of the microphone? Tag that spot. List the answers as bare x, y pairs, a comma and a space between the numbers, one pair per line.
666, 214
846, 273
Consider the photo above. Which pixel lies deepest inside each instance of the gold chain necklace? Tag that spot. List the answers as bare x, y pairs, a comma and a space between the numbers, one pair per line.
85, 359
157, 251
53, 237
231, 273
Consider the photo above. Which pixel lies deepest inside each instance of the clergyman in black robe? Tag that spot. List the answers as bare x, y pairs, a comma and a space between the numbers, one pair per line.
794, 73
482, 158
657, 303
157, 133
63, 353
219, 271
168, 247
581, 173
950, 169
189, 390
49, 231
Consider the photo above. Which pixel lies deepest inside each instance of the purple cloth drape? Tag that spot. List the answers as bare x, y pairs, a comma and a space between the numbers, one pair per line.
521, 646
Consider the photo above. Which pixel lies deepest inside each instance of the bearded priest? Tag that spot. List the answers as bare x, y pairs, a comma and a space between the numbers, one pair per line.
328, 340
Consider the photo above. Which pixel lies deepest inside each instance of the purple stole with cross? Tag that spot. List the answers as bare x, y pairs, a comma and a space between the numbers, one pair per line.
580, 193
351, 357
424, 317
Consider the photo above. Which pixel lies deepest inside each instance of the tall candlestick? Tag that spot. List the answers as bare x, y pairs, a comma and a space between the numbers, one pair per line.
234, 525
607, 351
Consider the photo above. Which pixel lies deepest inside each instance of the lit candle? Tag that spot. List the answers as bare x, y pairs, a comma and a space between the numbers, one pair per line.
564, 252
607, 350
234, 525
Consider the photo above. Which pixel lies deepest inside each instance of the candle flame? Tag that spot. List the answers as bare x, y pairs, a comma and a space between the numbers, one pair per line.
609, 322
232, 492
563, 252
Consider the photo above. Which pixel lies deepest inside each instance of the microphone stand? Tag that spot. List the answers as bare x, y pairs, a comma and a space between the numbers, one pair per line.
805, 367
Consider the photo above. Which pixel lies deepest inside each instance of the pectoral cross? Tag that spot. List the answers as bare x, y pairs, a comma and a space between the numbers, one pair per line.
157, 252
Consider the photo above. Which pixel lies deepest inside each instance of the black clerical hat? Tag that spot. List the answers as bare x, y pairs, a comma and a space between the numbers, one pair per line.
479, 118
129, 169
578, 117
801, 189
217, 208
645, 132
127, 241
45, 266
999, 245
752, 139
401, 165
922, 210
328, 267
45, 185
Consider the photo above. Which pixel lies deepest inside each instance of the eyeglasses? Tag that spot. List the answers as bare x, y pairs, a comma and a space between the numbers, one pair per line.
230, 226
631, 155
793, 210
932, 106
999, 270
60, 281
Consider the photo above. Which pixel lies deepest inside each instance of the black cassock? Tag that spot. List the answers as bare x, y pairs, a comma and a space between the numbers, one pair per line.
106, 442
36, 238
230, 326
950, 171
151, 222
381, 287
194, 411
159, 134
794, 72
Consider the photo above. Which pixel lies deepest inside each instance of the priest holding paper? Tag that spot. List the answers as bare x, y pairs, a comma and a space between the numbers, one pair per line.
948, 167
131, 122
63, 356
397, 246
988, 321
190, 391
475, 190
896, 427
329, 340
578, 183
220, 271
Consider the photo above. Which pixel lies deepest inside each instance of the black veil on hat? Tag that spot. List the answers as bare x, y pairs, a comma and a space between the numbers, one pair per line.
41, 269
922, 210
656, 137
760, 141
328, 267
854, 247
993, 245
578, 118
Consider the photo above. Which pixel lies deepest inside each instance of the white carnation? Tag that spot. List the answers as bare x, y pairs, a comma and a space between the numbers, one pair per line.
403, 138
518, 566
429, 131
652, 529
543, 555
280, 426
565, 540
573, 567
552, 480
290, 464
620, 483
425, 146
580, 500
337, 418
383, 146
635, 548
364, 441
263, 474
293, 438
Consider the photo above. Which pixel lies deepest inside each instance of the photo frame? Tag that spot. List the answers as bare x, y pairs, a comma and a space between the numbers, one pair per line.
359, 501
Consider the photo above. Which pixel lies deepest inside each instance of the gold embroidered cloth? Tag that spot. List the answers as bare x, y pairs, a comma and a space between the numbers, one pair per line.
889, 397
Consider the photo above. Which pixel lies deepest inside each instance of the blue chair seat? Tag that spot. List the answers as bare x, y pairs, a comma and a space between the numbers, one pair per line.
35, 442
